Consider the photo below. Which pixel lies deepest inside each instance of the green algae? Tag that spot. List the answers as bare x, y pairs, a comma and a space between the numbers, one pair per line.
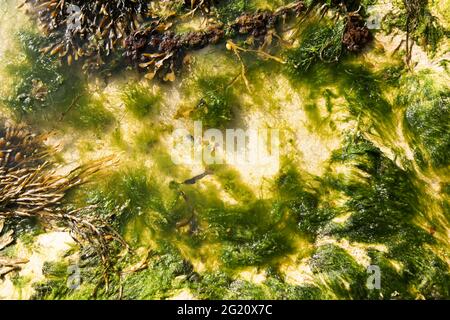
280, 290
159, 279
426, 106
364, 89
256, 234
228, 11
46, 92
383, 208
344, 276
146, 140
253, 232
232, 183
384, 203
250, 236
416, 18
302, 203
55, 286
140, 100
219, 284
213, 110
127, 193
31, 71
320, 43
381, 199
216, 106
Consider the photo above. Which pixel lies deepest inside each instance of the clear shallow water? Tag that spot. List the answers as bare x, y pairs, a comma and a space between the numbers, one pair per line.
362, 178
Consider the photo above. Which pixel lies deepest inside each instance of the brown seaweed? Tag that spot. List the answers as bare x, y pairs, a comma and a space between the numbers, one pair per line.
147, 42
30, 187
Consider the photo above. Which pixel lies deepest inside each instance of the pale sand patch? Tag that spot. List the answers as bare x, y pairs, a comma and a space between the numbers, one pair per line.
357, 250
300, 137
298, 274
419, 58
342, 218
183, 294
11, 20
253, 275
48, 247
204, 258
441, 10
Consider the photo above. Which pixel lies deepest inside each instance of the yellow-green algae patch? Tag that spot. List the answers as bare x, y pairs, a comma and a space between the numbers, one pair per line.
360, 180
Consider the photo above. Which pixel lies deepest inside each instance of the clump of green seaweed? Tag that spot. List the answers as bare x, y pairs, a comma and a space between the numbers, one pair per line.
43, 89
383, 207
39, 76
426, 106
140, 100
215, 108
322, 43
420, 25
